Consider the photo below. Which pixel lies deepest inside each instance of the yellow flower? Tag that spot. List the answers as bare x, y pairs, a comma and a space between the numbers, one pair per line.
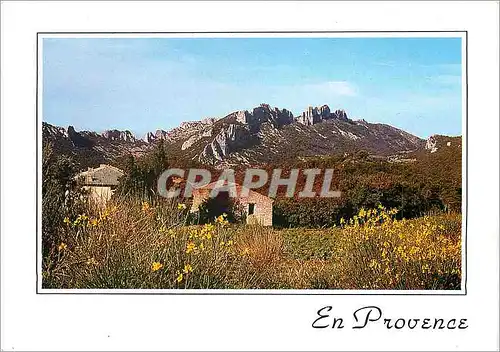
92, 261
207, 231
425, 268
193, 233
93, 222
62, 246
221, 219
179, 277
187, 269
374, 264
190, 247
66, 220
145, 206
207, 227
156, 266
181, 206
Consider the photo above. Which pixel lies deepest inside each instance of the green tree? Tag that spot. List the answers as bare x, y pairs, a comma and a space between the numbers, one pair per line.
60, 195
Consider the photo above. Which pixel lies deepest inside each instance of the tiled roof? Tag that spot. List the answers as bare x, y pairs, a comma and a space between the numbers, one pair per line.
104, 175
238, 187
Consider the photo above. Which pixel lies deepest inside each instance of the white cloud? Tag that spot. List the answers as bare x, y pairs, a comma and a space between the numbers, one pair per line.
335, 88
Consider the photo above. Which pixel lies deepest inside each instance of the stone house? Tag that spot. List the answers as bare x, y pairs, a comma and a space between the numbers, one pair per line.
100, 182
257, 207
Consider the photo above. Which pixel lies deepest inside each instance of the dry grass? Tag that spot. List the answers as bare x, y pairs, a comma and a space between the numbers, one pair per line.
137, 245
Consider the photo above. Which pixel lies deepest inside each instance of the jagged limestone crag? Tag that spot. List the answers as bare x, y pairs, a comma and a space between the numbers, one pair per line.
116, 135
314, 115
260, 135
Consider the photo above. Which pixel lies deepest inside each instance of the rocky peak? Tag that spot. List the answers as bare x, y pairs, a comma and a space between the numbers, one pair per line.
315, 115
151, 137
340, 115
116, 135
261, 114
78, 139
71, 130
324, 111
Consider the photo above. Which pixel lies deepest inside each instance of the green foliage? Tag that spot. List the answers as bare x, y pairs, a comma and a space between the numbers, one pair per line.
430, 184
135, 245
141, 176
302, 244
60, 196
214, 207
309, 212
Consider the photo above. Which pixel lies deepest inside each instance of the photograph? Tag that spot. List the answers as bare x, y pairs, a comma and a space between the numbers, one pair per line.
249, 176
252, 162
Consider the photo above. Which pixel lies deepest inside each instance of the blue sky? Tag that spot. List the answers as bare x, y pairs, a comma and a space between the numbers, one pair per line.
143, 84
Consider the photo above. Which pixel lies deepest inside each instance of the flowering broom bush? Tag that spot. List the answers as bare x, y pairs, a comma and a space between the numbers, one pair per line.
376, 251
132, 244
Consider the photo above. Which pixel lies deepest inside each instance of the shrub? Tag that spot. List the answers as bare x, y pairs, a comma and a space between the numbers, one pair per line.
134, 244
211, 208
60, 196
378, 251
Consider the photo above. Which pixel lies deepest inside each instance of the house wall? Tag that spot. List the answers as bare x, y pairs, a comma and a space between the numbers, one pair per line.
263, 211
99, 194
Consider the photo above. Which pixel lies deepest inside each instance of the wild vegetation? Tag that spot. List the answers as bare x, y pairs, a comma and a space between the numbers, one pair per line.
397, 226
140, 245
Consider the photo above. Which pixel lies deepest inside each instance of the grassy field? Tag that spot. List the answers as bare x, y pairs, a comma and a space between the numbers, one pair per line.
138, 245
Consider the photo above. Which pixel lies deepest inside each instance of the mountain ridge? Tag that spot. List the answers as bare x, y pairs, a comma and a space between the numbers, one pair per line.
261, 135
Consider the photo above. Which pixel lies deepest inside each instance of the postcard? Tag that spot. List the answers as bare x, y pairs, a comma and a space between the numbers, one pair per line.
250, 176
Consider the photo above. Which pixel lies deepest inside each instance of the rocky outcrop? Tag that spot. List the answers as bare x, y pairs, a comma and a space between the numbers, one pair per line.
192, 140
431, 144
309, 117
79, 140
151, 137
259, 135
121, 136
314, 115
262, 114
339, 115
441, 143
88, 148
324, 112
228, 140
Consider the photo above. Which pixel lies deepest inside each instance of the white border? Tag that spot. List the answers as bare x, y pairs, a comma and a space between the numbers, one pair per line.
461, 35
222, 322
